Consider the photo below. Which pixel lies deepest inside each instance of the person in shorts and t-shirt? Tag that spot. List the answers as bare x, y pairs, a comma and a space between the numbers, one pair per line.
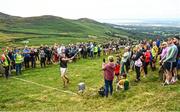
169, 61
63, 68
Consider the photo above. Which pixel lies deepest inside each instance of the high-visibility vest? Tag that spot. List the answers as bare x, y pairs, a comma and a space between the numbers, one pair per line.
154, 51
96, 49
5, 63
18, 59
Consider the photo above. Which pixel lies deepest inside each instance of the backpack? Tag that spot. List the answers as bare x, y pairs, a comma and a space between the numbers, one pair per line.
126, 85
102, 91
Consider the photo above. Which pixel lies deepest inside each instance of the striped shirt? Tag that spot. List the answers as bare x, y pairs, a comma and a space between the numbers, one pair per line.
171, 53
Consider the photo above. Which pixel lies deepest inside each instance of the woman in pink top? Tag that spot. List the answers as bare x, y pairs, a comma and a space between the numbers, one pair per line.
164, 50
108, 75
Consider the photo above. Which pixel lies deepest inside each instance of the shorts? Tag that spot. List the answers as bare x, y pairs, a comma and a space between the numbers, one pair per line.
170, 65
174, 65
63, 71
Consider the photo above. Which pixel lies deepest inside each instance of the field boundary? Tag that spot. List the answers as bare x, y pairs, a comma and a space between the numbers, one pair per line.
45, 86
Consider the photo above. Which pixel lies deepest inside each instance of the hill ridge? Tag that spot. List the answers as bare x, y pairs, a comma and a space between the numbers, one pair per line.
49, 24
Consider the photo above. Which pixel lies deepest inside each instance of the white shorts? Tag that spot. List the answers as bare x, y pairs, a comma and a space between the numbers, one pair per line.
63, 71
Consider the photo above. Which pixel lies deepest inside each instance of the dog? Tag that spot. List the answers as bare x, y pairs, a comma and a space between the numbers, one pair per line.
101, 91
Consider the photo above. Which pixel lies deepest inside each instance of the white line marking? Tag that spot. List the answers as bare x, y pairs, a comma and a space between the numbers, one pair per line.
49, 87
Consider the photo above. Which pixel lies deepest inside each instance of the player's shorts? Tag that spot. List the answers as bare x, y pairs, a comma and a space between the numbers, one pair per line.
170, 65
63, 71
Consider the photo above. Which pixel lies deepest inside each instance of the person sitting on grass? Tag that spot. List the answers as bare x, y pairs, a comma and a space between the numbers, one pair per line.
123, 83
108, 75
63, 68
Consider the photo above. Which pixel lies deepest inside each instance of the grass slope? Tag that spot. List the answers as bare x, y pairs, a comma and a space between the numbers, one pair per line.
48, 29
54, 25
148, 95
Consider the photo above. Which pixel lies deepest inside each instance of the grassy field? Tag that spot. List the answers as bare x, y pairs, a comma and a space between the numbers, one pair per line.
17, 39
41, 89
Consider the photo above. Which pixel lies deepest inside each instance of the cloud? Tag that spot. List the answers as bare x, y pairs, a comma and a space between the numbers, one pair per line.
95, 9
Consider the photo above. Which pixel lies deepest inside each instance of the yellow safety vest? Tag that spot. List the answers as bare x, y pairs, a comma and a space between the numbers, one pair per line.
18, 59
5, 63
96, 49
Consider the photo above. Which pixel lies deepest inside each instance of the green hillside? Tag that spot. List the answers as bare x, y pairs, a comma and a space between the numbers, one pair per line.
55, 25
49, 29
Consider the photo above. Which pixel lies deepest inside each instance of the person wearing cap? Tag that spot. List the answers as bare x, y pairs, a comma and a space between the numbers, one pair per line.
6, 62
108, 69
18, 62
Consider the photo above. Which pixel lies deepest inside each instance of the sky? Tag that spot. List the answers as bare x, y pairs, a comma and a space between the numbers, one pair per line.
94, 9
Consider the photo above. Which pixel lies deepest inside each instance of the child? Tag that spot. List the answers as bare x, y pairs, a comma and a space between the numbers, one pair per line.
123, 83
117, 69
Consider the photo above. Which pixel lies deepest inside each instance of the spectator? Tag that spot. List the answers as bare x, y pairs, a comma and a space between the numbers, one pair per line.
169, 61
26, 53
138, 63
33, 58
108, 75
18, 61
6, 63
154, 52
42, 58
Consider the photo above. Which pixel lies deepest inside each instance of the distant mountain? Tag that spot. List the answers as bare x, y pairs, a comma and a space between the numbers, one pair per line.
163, 22
48, 24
